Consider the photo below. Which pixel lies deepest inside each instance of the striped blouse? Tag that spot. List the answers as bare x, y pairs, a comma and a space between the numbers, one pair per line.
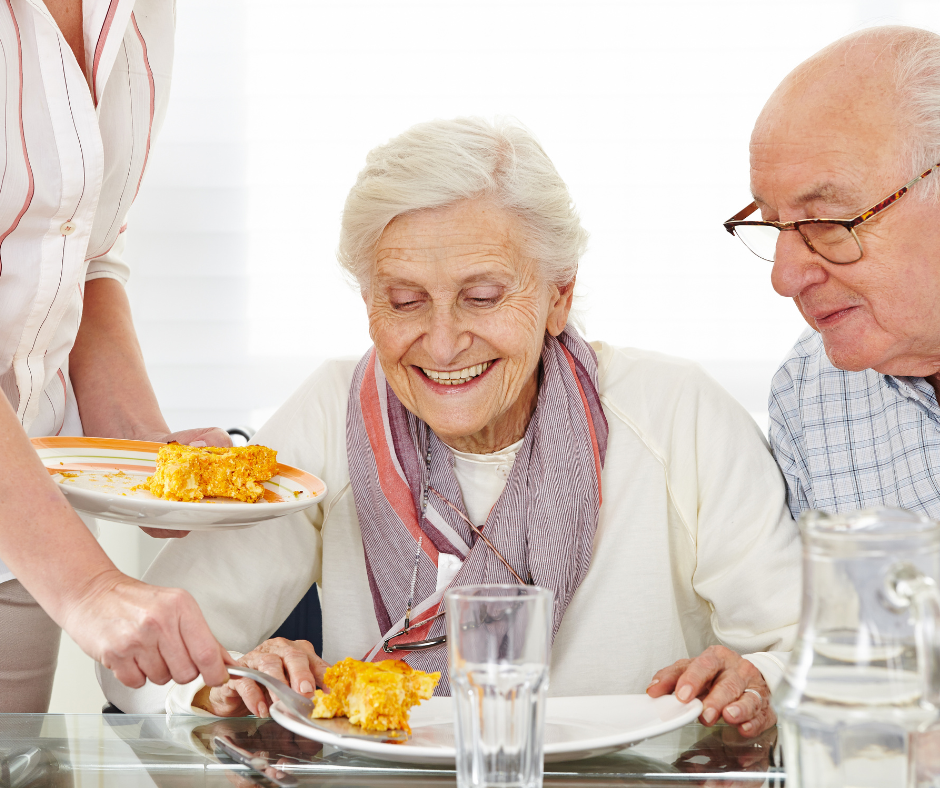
73, 161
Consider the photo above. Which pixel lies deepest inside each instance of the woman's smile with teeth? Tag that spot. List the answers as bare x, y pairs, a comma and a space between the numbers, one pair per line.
458, 376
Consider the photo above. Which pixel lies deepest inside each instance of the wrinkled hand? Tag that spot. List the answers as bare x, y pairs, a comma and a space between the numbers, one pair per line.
295, 662
200, 436
720, 677
141, 632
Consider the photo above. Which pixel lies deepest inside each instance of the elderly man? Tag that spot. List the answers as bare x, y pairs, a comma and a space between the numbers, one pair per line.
845, 153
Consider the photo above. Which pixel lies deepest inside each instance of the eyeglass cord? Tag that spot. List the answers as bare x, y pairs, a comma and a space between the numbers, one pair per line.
427, 488
479, 533
414, 577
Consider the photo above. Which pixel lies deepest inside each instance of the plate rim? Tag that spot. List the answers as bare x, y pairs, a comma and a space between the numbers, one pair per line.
417, 753
158, 507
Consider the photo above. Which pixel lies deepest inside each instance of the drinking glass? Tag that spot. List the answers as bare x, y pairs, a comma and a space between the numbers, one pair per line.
498, 641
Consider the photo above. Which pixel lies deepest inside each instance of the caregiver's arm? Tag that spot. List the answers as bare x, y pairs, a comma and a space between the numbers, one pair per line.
139, 631
114, 395
248, 581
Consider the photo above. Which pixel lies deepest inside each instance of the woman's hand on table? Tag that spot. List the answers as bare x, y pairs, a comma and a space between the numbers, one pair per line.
721, 678
295, 662
200, 436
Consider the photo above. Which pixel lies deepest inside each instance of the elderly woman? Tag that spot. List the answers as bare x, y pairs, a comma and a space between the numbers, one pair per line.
483, 440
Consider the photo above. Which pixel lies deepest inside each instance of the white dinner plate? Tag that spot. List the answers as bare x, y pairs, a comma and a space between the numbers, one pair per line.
575, 728
97, 476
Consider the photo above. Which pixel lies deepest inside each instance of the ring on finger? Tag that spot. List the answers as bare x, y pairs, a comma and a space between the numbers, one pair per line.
754, 692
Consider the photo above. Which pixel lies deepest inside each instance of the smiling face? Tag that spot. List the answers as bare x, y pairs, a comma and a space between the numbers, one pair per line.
828, 145
458, 313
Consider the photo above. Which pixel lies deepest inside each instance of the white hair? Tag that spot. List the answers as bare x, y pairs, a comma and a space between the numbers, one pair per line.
914, 56
917, 79
440, 163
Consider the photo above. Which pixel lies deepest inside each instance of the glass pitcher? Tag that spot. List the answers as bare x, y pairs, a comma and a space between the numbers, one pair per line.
858, 705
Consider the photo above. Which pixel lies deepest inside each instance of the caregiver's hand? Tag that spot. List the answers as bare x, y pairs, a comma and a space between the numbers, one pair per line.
720, 677
141, 631
201, 436
295, 662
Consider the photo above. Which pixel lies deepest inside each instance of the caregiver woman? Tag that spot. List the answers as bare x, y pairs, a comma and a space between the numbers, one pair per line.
83, 87
626, 481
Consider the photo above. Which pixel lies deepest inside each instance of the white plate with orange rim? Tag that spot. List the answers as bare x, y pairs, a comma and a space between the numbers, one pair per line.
97, 476
575, 728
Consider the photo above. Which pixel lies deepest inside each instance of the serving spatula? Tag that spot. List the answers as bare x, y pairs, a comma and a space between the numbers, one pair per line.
302, 707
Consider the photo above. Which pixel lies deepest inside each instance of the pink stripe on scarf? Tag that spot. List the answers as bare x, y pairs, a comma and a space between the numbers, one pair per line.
597, 454
393, 486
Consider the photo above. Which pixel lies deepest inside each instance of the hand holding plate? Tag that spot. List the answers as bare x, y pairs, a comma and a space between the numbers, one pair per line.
729, 686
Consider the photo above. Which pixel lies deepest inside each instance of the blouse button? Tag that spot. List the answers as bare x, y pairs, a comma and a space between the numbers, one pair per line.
67, 228
503, 471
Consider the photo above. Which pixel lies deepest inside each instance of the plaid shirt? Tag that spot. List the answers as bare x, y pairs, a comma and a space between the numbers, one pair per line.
853, 440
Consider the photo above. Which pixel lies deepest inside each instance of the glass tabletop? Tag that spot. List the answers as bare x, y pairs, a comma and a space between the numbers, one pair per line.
103, 750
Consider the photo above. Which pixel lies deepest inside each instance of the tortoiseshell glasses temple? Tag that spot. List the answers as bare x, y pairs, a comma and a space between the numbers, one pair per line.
829, 238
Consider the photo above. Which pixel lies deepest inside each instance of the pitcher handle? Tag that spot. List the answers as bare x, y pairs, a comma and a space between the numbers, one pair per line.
906, 586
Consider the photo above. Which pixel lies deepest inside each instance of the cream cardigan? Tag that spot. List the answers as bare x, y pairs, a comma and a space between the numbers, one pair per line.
695, 545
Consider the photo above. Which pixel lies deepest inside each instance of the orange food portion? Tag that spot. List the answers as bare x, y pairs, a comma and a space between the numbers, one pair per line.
189, 473
375, 695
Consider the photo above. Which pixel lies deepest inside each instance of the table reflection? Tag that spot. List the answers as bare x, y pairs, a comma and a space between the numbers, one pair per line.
75, 751
718, 757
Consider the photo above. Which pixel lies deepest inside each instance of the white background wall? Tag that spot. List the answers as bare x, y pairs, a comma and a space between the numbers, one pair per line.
644, 105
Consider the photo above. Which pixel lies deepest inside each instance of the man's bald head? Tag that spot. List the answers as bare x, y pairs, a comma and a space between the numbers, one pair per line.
879, 86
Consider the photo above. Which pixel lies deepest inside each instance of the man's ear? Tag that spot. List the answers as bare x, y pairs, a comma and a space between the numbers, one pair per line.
560, 308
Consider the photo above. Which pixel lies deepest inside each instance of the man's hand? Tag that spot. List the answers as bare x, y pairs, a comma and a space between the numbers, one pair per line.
729, 686
201, 436
295, 662
144, 632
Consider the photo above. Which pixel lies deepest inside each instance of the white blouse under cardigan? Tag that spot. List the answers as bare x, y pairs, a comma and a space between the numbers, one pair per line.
695, 545
73, 158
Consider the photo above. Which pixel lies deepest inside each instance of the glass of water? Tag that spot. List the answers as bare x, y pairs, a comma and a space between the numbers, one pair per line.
498, 641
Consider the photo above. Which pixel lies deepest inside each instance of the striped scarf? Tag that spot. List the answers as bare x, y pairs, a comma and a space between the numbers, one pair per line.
543, 523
